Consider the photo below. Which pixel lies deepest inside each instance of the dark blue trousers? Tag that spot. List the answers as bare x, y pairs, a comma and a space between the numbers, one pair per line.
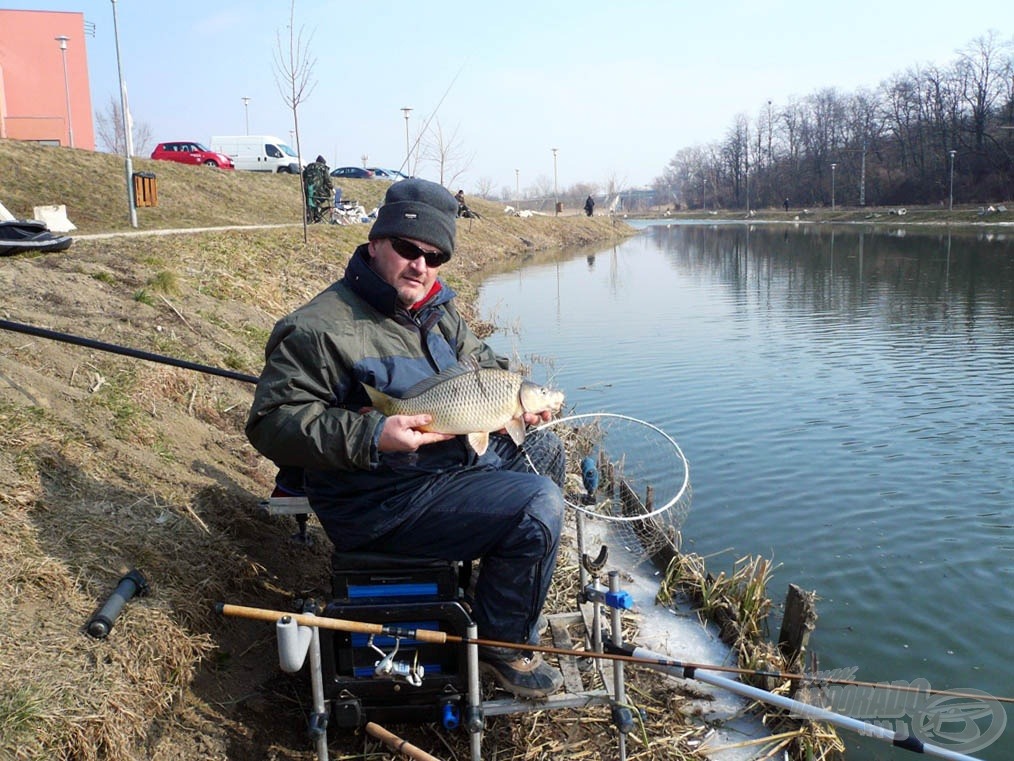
504, 514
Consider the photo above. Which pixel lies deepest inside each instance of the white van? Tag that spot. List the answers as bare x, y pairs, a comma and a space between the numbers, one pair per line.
257, 153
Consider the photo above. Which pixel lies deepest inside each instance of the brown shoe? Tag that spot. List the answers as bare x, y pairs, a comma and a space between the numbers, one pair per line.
520, 672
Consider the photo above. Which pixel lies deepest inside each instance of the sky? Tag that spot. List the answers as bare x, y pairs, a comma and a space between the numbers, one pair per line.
616, 87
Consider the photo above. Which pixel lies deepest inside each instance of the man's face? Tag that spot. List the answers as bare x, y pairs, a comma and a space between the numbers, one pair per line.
412, 279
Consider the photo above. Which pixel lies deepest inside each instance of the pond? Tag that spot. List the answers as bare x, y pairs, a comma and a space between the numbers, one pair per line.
845, 398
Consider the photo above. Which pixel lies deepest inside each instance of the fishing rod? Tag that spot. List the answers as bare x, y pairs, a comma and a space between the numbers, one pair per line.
426, 124
642, 657
31, 330
905, 741
437, 637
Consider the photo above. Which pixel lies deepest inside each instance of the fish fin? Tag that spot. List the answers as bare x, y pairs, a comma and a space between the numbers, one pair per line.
378, 399
479, 442
516, 428
465, 366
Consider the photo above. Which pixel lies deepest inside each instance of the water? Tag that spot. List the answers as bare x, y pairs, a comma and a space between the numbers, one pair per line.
845, 398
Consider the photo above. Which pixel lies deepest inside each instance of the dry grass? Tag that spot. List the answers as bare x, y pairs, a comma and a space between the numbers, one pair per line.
739, 605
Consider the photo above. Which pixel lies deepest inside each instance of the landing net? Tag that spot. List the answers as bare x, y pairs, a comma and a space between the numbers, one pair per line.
622, 470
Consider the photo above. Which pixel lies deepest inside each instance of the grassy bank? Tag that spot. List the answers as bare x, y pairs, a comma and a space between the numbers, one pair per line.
110, 463
916, 216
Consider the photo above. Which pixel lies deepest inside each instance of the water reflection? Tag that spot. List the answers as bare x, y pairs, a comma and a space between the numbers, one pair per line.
825, 269
845, 397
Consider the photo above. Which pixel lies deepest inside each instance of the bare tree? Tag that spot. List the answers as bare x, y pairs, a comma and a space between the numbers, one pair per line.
735, 155
294, 77
894, 143
109, 126
541, 190
447, 152
614, 183
484, 187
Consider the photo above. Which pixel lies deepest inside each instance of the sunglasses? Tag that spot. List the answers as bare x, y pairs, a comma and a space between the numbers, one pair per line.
410, 251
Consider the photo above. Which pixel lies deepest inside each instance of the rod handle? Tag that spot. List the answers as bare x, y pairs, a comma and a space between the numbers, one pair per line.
133, 583
326, 622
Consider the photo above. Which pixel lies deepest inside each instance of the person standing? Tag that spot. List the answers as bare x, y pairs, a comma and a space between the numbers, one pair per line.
381, 484
318, 190
589, 205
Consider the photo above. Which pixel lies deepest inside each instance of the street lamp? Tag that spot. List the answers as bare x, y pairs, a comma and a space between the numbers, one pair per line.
246, 113
833, 167
517, 187
556, 192
862, 177
405, 110
128, 167
950, 200
62, 39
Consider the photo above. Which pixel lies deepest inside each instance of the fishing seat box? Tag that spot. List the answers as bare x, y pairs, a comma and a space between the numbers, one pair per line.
394, 590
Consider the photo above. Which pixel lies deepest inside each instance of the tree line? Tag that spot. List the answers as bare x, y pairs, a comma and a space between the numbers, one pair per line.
917, 138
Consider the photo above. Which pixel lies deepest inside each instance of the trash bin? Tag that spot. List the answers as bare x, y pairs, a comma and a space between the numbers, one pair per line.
145, 189
559, 207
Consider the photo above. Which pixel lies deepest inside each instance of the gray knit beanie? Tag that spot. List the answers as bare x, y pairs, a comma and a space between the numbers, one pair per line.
418, 209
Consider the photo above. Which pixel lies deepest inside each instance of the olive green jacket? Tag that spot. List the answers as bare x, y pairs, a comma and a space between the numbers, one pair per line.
305, 411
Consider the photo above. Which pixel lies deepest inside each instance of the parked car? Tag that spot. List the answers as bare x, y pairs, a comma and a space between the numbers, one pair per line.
352, 173
186, 152
257, 153
392, 175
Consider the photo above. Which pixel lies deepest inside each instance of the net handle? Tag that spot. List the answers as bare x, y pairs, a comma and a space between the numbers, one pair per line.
587, 416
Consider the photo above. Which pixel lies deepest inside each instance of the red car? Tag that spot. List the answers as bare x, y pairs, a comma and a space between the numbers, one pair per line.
191, 153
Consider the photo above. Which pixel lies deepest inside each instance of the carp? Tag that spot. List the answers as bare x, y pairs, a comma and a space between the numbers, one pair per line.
473, 401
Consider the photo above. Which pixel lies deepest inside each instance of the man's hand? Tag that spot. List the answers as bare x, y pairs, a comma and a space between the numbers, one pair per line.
537, 418
533, 418
400, 434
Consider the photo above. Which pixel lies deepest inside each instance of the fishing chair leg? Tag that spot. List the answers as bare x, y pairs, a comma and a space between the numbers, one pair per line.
473, 711
296, 643
622, 716
318, 722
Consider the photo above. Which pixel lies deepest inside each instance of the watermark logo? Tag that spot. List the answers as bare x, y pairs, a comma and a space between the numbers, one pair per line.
964, 723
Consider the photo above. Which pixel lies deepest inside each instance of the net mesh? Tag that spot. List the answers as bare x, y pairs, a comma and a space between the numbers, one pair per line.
621, 470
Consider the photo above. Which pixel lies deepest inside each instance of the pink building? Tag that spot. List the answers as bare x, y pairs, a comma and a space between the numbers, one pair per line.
36, 101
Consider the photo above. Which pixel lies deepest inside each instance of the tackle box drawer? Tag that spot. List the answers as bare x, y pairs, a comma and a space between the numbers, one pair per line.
365, 578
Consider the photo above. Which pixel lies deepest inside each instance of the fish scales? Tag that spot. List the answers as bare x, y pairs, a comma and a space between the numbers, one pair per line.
473, 401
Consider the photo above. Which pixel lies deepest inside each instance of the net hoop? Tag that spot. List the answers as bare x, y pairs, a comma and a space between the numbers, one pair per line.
681, 458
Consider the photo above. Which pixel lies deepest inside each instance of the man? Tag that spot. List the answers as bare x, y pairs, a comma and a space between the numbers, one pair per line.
379, 484
463, 210
589, 205
318, 189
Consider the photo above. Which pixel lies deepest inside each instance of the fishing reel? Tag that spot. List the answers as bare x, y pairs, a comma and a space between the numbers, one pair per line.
388, 668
